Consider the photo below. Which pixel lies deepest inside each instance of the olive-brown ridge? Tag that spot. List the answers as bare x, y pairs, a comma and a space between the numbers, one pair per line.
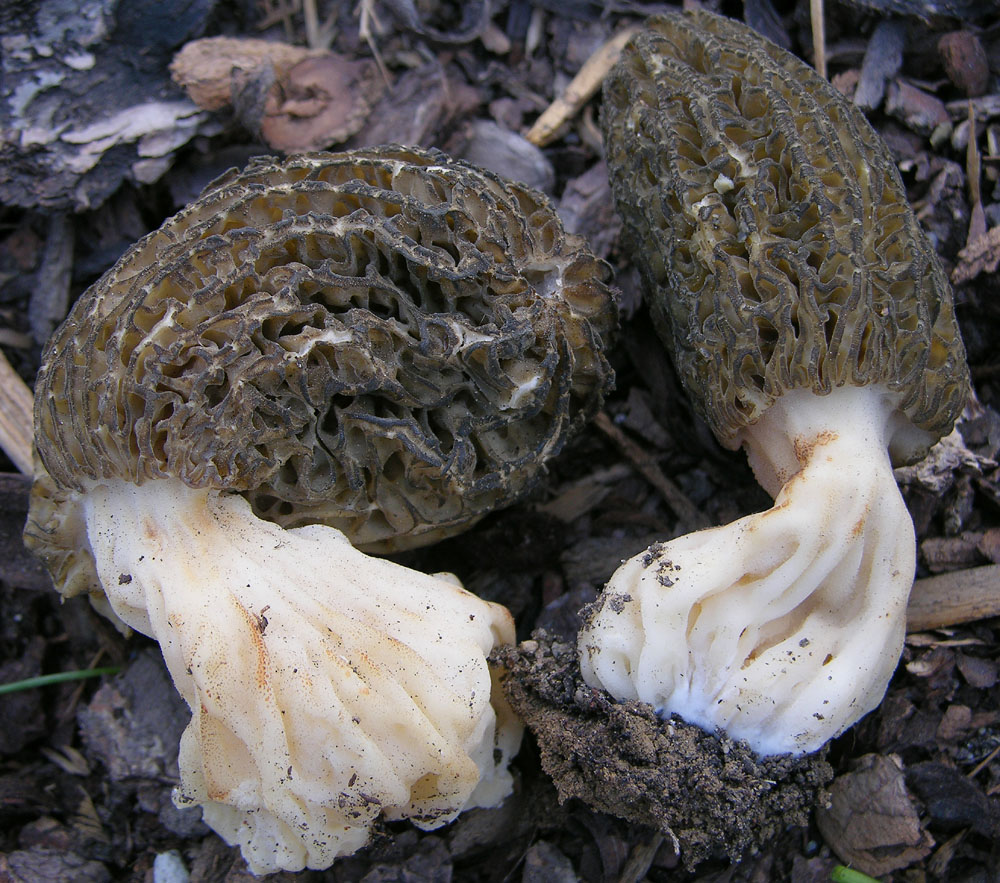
387, 341
773, 232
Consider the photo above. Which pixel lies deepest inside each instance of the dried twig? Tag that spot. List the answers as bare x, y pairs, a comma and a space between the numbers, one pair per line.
580, 90
985, 762
953, 598
270, 12
311, 19
368, 20
641, 857
681, 506
318, 36
16, 403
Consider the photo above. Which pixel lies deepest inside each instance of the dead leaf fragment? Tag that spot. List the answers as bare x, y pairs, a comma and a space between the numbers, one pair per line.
917, 109
24, 865
576, 498
952, 799
486, 144
321, 101
989, 544
134, 723
955, 723
871, 822
937, 471
21, 716
544, 863
418, 106
588, 209
978, 672
206, 68
982, 255
296, 99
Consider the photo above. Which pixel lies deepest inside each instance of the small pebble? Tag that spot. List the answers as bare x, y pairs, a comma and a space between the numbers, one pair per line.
965, 62
168, 867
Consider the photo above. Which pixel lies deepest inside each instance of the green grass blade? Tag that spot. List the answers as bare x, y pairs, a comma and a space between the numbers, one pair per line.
840, 874
58, 678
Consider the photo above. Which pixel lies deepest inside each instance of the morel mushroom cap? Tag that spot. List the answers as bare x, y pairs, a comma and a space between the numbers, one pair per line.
773, 232
390, 342
810, 321
374, 347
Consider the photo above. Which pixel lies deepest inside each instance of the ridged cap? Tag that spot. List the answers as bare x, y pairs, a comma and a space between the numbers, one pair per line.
387, 341
772, 229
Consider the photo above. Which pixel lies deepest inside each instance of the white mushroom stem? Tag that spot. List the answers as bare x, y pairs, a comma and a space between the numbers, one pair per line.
784, 627
326, 687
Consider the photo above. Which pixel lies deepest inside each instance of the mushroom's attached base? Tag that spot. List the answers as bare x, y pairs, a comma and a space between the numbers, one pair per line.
784, 627
326, 687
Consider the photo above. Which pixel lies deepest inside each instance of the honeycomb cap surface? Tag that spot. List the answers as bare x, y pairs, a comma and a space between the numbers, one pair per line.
772, 230
386, 341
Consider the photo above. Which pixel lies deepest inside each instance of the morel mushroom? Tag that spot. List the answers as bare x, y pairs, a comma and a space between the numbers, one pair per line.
810, 322
375, 348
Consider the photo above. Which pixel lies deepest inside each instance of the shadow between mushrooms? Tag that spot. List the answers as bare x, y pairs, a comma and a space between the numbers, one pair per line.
336, 352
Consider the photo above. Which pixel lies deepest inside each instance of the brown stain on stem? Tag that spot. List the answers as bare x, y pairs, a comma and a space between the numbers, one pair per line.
256, 635
805, 446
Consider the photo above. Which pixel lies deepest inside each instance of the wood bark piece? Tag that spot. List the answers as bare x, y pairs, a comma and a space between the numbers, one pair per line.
580, 90
883, 61
965, 62
953, 598
82, 110
16, 405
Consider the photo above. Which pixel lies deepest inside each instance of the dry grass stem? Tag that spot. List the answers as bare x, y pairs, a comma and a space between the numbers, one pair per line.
367, 23
16, 404
580, 90
819, 36
645, 463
